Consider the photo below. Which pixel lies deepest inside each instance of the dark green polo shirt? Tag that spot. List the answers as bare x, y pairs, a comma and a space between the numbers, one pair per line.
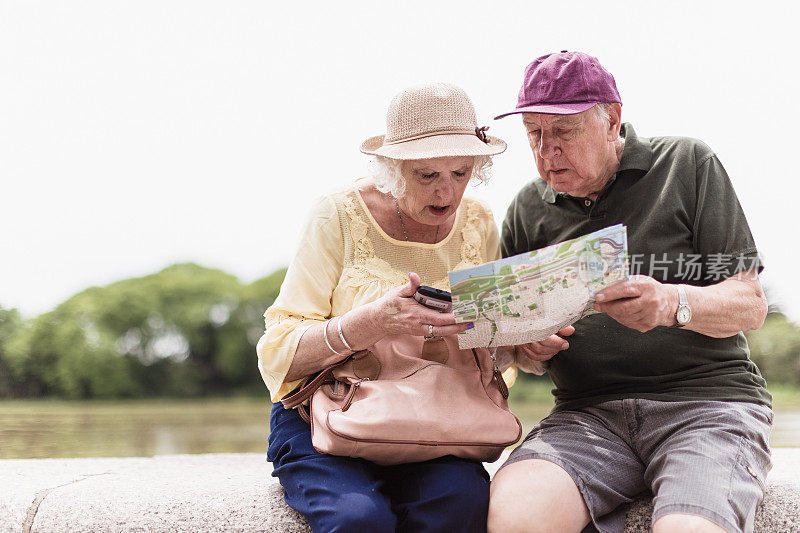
685, 225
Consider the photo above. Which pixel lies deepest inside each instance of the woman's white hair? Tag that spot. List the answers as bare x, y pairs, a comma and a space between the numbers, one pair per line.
388, 179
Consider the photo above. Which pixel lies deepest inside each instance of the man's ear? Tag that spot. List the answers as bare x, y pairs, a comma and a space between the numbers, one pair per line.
614, 121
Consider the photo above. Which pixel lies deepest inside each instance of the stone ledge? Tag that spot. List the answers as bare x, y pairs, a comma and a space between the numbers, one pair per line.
232, 492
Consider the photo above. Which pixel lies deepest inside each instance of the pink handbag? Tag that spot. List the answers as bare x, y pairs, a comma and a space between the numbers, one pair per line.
407, 399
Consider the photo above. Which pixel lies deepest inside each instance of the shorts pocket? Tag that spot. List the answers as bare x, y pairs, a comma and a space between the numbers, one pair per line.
748, 481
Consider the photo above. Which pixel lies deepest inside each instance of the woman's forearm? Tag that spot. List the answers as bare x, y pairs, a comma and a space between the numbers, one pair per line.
395, 313
360, 328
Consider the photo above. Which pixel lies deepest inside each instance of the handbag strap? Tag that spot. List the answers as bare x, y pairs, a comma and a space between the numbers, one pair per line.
305, 392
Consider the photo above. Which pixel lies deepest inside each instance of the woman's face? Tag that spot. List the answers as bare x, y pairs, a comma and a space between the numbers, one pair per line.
434, 187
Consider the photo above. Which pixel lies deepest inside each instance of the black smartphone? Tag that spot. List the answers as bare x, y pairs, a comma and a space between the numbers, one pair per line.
434, 298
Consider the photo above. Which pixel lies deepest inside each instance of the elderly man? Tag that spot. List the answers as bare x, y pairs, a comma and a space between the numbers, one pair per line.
655, 392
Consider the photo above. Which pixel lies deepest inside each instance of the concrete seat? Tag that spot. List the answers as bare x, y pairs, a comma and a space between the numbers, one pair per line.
232, 492
778, 513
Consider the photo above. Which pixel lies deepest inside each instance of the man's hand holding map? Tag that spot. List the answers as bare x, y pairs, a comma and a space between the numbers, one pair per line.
530, 296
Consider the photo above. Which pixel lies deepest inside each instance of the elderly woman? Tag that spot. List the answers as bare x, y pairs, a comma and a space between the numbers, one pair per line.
364, 252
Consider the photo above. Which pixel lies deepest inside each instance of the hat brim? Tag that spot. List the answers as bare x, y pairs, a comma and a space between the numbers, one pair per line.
447, 145
552, 109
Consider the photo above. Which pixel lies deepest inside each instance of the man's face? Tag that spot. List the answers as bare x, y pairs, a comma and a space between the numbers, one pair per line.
574, 153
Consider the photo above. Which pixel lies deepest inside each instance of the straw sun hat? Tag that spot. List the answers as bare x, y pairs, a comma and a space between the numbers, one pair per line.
433, 120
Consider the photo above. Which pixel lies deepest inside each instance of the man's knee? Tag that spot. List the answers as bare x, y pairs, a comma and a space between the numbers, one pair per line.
685, 523
535, 495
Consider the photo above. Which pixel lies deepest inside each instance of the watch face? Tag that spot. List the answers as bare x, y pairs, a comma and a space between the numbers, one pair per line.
684, 314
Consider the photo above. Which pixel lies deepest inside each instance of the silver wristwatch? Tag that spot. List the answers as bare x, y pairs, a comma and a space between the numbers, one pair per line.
684, 313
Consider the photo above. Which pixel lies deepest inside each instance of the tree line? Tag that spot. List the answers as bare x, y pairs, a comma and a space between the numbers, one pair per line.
191, 331
184, 331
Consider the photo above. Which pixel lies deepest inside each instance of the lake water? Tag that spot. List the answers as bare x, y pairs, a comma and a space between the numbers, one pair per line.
39, 429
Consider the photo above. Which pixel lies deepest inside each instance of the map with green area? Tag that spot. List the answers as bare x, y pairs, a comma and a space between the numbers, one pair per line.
530, 296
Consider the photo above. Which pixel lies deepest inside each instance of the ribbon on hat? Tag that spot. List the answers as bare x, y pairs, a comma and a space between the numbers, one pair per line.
481, 133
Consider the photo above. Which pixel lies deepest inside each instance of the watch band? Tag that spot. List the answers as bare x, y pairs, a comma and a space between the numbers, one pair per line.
682, 299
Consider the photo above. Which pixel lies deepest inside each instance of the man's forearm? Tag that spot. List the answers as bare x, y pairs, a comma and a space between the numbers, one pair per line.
726, 308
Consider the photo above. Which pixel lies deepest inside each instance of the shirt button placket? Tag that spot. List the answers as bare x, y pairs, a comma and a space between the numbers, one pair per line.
589, 205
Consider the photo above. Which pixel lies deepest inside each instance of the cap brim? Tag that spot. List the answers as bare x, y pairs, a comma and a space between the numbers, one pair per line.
552, 109
449, 145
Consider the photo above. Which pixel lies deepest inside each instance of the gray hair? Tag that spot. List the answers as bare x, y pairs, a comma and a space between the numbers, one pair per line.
388, 179
601, 110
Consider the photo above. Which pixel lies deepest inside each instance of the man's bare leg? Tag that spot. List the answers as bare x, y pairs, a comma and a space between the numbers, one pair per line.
685, 523
535, 496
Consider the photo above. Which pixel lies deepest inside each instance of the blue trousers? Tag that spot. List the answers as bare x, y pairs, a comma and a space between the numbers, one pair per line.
346, 494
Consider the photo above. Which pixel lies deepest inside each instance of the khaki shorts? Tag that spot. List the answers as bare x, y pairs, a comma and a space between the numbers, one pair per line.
706, 458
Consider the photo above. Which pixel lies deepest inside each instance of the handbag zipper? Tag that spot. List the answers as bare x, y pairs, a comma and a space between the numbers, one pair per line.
351, 393
498, 376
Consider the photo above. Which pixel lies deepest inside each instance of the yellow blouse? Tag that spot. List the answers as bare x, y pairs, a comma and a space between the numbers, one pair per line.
345, 260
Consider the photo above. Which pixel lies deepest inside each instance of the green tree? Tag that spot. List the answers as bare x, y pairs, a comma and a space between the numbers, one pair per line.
235, 356
775, 348
65, 352
186, 330
11, 324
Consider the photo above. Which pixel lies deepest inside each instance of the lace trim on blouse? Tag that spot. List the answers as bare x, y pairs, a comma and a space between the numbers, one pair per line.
471, 247
367, 267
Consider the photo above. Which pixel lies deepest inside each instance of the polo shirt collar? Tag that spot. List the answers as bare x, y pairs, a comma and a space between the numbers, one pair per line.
637, 154
549, 194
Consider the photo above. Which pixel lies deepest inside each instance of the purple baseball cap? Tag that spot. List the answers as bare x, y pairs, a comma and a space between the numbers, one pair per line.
564, 83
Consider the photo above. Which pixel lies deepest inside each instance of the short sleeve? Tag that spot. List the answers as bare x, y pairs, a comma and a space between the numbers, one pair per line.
507, 248
513, 233
721, 232
492, 237
305, 296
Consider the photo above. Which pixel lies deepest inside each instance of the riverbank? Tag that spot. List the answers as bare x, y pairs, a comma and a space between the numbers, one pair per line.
162, 426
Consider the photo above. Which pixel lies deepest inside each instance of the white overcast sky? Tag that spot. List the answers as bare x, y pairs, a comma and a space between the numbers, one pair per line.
137, 134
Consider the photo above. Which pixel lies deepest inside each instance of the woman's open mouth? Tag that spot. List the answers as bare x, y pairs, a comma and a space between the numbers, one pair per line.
439, 210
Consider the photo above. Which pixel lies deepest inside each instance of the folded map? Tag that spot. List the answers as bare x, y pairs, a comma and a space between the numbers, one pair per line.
530, 296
